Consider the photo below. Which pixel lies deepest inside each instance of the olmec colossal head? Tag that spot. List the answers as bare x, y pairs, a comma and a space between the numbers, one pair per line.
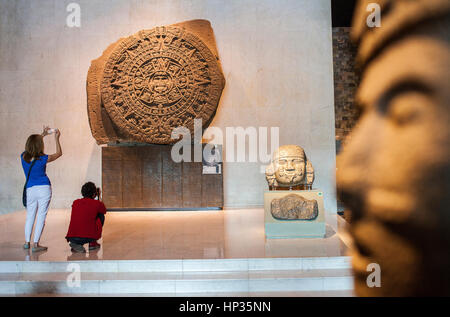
289, 168
394, 173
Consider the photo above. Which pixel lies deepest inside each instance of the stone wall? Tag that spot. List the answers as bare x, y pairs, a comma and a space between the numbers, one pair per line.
276, 57
346, 80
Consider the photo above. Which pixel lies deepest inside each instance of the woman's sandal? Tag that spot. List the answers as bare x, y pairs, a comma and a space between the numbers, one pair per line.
26, 246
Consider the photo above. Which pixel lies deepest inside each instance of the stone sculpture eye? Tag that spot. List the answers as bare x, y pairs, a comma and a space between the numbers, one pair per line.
407, 108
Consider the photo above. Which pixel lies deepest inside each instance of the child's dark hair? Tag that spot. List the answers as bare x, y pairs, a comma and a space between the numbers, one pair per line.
89, 190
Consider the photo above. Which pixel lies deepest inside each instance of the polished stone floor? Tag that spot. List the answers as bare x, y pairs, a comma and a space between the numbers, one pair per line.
234, 233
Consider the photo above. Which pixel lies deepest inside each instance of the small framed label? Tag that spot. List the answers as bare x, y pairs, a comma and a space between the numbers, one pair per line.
212, 160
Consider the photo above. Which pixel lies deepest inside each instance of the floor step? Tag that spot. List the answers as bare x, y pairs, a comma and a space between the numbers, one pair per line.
185, 265
345, 293
177, 283
175, 277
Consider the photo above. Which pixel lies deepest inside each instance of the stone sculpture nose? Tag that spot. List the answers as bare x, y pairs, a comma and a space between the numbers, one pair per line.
290, 166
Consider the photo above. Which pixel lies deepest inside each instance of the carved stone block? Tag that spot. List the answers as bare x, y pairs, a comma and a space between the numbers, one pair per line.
294, 206
294, 214
149, 83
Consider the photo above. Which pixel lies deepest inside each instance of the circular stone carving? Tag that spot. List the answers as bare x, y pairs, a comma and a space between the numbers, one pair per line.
160, 79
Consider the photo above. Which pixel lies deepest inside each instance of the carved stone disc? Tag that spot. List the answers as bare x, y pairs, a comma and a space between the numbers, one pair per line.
160, 79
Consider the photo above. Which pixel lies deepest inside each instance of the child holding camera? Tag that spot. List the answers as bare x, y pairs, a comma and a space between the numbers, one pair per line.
86, 220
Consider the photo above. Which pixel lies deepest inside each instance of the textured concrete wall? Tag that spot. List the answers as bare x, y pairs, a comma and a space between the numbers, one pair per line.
276, 56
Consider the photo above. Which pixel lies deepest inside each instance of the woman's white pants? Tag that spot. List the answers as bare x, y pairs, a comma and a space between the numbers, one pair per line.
38, 200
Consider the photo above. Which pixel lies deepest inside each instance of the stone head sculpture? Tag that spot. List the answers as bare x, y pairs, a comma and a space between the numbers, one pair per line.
289, 167
394, 172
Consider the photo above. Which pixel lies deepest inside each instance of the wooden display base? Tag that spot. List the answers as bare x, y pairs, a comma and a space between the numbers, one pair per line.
146, 178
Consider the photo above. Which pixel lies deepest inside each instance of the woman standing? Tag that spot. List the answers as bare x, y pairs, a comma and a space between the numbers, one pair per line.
39, 191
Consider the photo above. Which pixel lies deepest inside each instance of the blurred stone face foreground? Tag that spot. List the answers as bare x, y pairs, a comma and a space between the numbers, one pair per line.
394, 173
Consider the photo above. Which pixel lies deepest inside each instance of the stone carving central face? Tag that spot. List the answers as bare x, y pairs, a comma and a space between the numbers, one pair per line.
160, 83
160, 79
289, 168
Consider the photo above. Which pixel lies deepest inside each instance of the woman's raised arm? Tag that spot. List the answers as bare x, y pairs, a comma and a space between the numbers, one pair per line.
58, 153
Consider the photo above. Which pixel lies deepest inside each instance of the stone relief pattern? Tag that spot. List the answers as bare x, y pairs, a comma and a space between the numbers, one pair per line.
160, 79
294, 207
346, 80
100, 124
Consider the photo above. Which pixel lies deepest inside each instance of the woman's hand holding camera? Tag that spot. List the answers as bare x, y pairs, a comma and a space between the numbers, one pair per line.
57, 133
47, 131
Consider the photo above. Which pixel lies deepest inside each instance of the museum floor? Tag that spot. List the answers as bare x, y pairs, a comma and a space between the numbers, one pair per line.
166, 235
203, 243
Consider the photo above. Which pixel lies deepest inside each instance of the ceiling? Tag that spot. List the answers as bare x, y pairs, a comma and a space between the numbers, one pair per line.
342, 12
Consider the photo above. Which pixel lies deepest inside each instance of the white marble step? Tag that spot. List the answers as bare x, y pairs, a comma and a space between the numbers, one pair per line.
345, 293
178, 283
186, 265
